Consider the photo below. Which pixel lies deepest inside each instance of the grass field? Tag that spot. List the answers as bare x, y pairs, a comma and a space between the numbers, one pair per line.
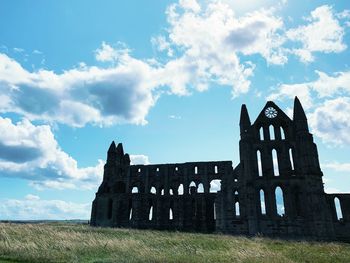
81, 243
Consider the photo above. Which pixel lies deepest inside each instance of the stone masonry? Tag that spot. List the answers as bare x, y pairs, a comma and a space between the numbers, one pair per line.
277, 154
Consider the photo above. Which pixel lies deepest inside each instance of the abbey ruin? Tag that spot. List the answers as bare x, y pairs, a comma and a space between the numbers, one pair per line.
277, 155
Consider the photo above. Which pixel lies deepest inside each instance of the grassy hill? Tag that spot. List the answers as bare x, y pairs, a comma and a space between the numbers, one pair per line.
81, 243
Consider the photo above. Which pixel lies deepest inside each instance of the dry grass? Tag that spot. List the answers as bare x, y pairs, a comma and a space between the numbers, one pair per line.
81, 243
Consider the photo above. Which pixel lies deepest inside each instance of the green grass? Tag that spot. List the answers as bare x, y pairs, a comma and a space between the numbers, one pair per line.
81, 243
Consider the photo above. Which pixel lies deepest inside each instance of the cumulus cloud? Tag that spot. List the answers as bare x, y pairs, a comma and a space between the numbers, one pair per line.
327, 100
205, 42
331, 121
323, 33
122, 93
324, 86
31, 152
34, 208
139, 159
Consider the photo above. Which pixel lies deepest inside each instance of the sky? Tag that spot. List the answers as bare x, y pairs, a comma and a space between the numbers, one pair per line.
165, 78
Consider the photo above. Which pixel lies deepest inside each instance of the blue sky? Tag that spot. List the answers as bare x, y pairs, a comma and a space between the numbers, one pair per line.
165, 78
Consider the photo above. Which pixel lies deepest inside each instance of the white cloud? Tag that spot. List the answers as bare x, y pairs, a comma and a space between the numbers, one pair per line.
103, 96
107, 53
139, 159
175, 117
18, 50
289, 91
162, 44
34, 208
336, 166
206, 43
324, 86
328, 101
331, 122
31, 152
323, 33
37, 52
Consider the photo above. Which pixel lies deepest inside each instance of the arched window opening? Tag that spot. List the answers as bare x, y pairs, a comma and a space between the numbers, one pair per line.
236, 194
150, 215
162, 192
214, 208
176, 168
272, 132
276, 170
171, 192
180, 189
262, 202
260, 171
338, 209
261, 133
283, 135
110, 209
139, 170
291, 158
200, 188
153, 190
237, 212
157, 169
192, 188
195, 170
215, 186
170, 214
280, 209
130, 214
216, 169
134, 190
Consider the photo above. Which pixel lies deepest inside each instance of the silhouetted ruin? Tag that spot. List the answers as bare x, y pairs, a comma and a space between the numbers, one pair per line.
277, 155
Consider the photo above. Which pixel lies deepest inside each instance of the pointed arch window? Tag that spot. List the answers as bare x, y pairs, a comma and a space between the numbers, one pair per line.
171, 217
291, 158
200, 188
150, 214
260, 170
193, 187
237, 210
276, 170
338, 209
283, 135
272, 132
262, 202
180, 189
280, 208
215, 186
153, 190
130, 214
261, 133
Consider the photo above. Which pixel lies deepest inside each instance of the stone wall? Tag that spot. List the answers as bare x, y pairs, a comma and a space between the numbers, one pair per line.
277, 155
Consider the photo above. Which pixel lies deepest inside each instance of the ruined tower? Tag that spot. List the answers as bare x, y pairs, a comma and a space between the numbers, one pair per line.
275, 190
